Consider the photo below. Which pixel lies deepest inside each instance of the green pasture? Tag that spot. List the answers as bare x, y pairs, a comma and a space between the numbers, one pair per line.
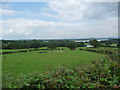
30, 62
24, 63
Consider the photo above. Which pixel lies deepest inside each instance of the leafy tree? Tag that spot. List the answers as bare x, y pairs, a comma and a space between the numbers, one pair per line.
35, 44
24, 44
81, 44
95, 43
4, 44
72, 45
13, 45
52, 45
118, 44
108, 43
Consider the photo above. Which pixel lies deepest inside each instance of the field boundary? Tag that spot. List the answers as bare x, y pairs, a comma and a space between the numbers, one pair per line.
26, 51
99, 51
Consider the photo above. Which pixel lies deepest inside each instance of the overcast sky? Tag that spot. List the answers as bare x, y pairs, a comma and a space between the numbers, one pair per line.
59, 20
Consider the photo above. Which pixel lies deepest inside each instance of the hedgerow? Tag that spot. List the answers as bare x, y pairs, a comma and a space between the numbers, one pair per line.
103, 73
102, 50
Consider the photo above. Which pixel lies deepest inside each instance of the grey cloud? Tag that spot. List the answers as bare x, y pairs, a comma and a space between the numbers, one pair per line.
96, 10
69, 11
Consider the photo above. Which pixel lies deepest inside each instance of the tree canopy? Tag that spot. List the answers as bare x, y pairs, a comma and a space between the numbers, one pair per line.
72, 45
95, 43
35, 44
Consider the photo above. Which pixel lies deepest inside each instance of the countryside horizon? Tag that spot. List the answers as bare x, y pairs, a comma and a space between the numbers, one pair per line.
59, 44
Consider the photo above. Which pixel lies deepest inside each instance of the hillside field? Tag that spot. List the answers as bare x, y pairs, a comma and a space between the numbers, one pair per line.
30, 62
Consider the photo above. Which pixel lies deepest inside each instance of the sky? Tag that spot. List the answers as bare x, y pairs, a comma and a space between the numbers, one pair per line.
59, 20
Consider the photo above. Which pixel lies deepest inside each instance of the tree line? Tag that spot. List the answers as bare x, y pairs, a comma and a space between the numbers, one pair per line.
53, 44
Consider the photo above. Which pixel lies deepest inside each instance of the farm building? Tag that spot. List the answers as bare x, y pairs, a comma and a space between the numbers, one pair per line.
77, 41
89, 45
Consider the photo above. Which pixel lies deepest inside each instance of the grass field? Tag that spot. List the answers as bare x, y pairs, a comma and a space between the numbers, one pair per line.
24, 63
34, 63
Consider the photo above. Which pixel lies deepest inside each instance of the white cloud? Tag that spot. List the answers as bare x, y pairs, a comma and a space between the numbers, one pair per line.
74, 20
67, 10
24, 26
27, 28
74, 10
7, 12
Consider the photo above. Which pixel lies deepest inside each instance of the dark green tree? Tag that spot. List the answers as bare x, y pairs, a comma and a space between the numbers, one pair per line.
3, 44
118, 44
13, 45
107, 43
95, 43
51, 45
35, 44
81, 44
72, 45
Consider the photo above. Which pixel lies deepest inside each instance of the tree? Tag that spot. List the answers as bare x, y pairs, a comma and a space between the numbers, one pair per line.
95, 43
3, 44
81, 44
118, 44
35, 44
13, 45
107, 43
72, 45
51, 45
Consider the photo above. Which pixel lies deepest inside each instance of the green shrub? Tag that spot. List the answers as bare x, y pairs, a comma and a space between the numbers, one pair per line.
102, 73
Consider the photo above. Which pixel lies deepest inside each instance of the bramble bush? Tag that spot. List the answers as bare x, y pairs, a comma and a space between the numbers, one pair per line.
103, 73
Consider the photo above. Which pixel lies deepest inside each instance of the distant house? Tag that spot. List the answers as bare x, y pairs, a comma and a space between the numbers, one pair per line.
89, 45
77, 41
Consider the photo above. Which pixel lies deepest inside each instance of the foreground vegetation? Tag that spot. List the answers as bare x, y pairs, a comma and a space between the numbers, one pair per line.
102, 73
17, 64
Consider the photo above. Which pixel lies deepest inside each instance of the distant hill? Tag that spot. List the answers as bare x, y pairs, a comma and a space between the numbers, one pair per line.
67, 39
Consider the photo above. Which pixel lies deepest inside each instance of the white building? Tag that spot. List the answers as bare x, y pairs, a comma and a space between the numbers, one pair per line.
77, 41
89, 45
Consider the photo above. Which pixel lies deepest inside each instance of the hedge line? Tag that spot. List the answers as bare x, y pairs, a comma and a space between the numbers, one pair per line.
97, 50
26, 51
